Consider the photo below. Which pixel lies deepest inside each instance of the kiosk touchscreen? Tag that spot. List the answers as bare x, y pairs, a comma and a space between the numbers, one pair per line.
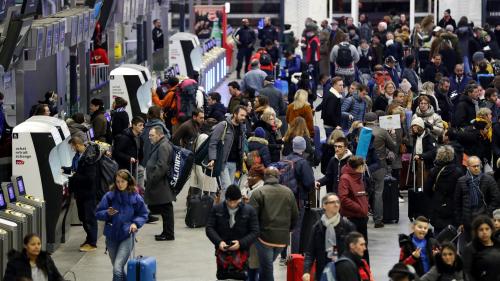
30, 211
14, 221
39, 204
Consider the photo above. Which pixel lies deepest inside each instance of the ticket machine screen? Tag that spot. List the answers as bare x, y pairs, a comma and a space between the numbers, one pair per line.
91, 133
10, 191
3, 205
20, 186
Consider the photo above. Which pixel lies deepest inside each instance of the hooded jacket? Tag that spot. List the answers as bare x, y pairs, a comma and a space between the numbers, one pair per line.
465, 111
216, 111
218, 133
18, 266
131, 209
352, 194
433, 119
274, 143
407, 248
127, 146
261, 145
333, 172
440, 188
444, 272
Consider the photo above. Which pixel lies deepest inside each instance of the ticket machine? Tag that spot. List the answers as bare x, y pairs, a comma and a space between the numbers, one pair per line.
16, 223
23, 197
35, 152
4, 249
185, 50
133, 83
13, 233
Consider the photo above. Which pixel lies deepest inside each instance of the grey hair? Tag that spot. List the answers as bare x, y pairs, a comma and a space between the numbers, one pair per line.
158, 130
445, 154
325, 198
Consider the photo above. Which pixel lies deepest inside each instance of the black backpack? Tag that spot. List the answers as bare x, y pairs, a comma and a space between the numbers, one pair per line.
344, 56
265, 59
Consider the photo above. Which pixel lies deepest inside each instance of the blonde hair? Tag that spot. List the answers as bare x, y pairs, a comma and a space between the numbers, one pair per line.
334, 136
300, 99
355, 125
428, 88
298, 127
389, 83
483, 113
267, 113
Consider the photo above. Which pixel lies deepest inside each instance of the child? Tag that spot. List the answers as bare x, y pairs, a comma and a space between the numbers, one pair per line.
418, 249
496, 221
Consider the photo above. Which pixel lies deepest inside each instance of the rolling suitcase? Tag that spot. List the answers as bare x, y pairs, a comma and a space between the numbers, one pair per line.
406, 172
140, 268
417, 200
312, 214
295, 268
390, 198
199, 205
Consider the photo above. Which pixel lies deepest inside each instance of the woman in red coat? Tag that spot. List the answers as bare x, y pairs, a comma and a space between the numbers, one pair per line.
353, 196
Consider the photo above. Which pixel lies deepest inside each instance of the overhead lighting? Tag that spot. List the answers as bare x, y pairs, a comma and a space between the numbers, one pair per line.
227, 7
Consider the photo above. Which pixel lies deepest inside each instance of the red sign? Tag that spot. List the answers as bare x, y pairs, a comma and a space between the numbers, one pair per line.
19, 162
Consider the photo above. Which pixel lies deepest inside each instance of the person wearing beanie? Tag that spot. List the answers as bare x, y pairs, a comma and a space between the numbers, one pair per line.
402, 272
424, 147
383, 141
259, 143
170, 88
496, 222
273, 201
232, 226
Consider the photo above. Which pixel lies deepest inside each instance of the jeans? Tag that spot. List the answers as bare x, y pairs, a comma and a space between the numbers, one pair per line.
227, 177
378, 210
328, 131
119, 253
167, 216
86, 214
267, 255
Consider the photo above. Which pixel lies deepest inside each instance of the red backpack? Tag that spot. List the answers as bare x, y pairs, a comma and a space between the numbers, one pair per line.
186, 99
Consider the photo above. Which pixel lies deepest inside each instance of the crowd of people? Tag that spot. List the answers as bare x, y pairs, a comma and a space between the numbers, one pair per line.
442, 83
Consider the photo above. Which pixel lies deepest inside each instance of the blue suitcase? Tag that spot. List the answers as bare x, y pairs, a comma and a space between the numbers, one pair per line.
141, 268
317, 143
365, 137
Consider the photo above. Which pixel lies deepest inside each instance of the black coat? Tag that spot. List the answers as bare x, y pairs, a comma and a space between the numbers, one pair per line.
429, 148
327, 152
381, 102
346, 271
407, 248
431, 70
261, 145
333, 173
274, 143
19, 266
316, 252
84, 181
441, 191
473, 143
331, 111
445, 105
465, 111
245, 229
490, 196
482, 263
119, 122
216, 111
127, 146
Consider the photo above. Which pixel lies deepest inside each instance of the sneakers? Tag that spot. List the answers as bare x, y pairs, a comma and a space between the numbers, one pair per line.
379, 224
283, 261
88, 248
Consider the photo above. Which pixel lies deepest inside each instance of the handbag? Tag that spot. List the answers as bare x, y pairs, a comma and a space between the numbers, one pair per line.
232, 264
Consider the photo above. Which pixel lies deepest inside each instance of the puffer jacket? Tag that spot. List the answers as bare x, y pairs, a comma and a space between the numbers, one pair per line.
333, 172
131, 209
433, 119
407, 248
352, 194
443, 272
489, 196
440, 188
261, 145
18, 266
354, 106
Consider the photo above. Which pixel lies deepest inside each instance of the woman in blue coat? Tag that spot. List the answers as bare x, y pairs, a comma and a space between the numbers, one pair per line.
124, 212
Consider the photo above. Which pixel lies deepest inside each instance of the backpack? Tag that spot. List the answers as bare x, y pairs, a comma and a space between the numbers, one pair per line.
344, 56
185, 97
287, 173
180, 169
265, 59
330, 271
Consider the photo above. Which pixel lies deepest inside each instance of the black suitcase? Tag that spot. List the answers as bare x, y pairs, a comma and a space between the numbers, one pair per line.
312, 214
390, 198
417, 200
448, 234
198, 209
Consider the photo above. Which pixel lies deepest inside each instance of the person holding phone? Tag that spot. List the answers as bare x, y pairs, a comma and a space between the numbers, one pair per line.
124, 212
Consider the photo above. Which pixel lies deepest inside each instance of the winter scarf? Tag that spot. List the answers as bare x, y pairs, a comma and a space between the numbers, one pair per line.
489, 135
419, 149
232, 216
473, 184
330, 236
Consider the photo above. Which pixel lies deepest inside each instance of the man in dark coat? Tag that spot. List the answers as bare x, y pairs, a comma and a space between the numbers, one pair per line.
467, 106
185, 136
127, 148
99, 122
353, 265
476, 194
332, 176
159, 195
268, 32
274, 95
157, 35
216, 110
232, 225
443, 98
331, 106
432, 69
83, 182
244, 37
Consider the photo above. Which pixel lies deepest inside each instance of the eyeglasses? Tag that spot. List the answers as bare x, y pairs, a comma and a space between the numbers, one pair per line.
336, 202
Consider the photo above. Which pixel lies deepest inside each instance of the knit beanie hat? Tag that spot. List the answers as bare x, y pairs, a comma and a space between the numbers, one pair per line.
419, 122
405, 86
371, 117
478, 56
299, 144
496, 214
259, 132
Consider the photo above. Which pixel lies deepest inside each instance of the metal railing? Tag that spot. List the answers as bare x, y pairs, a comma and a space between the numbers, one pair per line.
99, 75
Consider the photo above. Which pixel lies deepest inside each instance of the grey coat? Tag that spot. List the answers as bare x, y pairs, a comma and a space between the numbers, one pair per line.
275, 99
382, 142
158, 189
217, 134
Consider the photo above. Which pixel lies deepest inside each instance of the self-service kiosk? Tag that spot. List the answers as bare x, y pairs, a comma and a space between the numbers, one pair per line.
133, 83
185, 50
24, 207
36, 156
15, 222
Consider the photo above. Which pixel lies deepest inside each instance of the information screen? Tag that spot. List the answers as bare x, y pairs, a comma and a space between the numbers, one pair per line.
3, 205
10, 190
20, 185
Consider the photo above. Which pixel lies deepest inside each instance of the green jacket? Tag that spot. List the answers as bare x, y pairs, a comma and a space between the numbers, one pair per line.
276, 209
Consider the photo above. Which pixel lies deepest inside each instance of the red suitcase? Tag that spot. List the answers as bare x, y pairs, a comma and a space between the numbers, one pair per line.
295, 268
